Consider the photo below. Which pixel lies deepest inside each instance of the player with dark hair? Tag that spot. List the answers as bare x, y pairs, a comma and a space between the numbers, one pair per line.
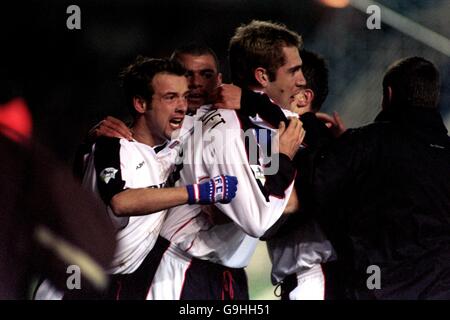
204, 84
299, 248
203, 73
382, 193
315, 91
133, 177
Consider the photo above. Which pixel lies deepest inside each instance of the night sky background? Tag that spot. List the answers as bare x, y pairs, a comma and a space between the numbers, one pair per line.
69, 77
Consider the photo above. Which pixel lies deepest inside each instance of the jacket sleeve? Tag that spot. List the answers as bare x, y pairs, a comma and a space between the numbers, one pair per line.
335, 172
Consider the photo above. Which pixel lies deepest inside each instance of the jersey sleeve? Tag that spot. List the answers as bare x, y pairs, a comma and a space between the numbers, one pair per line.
108, 168
260, 200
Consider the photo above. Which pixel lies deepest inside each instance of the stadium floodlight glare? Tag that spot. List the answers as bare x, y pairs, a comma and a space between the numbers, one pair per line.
407, 26
335, 3
398, 22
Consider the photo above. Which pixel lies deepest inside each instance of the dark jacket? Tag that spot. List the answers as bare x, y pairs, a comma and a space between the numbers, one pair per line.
382, 195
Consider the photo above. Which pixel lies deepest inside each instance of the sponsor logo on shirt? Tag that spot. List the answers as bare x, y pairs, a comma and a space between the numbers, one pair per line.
212, 119
158, 186
140, 165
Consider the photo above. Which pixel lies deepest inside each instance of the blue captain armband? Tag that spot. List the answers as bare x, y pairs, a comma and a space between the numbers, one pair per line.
218, 189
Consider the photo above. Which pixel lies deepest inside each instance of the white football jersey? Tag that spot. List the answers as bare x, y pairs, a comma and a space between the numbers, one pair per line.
215, 147
119, 164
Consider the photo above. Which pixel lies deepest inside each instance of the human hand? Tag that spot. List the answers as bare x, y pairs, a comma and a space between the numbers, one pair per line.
334, 123
290, 138
110, 127
227, 96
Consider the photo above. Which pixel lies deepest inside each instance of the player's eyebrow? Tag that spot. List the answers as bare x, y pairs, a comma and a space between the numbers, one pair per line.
295, 68
203, 70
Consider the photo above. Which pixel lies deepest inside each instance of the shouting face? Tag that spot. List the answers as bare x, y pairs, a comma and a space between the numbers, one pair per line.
169, 105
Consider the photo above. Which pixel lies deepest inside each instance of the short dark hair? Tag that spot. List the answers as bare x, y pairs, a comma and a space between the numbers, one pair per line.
259, 44
414, 82
137, 78
195, 49
315, 71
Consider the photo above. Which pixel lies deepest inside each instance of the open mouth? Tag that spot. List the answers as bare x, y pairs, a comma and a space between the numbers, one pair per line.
196, 96
175, 123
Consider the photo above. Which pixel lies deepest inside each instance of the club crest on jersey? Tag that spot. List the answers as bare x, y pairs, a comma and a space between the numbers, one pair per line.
259, 173
108, 174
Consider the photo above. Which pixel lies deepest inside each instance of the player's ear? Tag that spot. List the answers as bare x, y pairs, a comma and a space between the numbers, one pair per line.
140, 104
309, 96
261, 76
387, 98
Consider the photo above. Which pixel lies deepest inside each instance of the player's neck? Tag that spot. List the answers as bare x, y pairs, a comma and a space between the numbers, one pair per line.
143, 134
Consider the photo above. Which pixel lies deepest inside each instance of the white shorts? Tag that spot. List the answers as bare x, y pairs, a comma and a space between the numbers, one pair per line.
182, 277
169, 277
310, 285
